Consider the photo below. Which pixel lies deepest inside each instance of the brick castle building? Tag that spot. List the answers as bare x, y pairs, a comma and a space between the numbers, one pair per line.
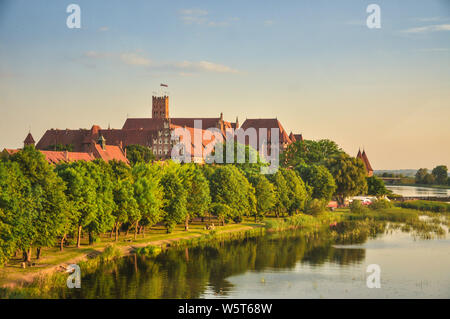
155, 132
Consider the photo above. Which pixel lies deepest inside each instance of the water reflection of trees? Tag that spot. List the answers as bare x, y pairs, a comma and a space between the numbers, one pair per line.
188, 272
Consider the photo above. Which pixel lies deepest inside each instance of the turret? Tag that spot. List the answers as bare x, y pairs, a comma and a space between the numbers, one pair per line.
29, 140
102, 142
160, 107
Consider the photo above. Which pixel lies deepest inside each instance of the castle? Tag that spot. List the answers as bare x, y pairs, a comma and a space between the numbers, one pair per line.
155, 132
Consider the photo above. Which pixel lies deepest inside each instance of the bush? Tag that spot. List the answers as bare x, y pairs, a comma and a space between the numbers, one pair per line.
380, 204
110, 252
237, 219
315, 206
424, 205
357, 207
149, 251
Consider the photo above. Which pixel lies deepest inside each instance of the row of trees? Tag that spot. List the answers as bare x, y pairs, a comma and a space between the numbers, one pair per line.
43, 205
438, 176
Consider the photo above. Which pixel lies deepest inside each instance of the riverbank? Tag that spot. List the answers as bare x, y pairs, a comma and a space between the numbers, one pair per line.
53, 260
342, 225
421, 185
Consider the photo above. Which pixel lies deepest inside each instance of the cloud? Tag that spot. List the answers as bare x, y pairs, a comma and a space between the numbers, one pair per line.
95, 54
103, 29
429, 28
269, 22
184, 68
205, 66
434, 50
201, 17
194, 16
134, 59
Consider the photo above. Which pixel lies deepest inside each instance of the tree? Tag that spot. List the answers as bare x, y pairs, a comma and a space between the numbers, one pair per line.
47, 202
100, 172
126, 207
420, 175
281, 193
297, 193
376, 187
264, 193
148, 194
80, 192
349, 174
228, 186
309, 152
16, 220
440, 174
175, 199
319, 179
197, 187
139, 154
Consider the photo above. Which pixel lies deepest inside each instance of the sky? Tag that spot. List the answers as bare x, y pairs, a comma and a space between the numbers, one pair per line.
314, 65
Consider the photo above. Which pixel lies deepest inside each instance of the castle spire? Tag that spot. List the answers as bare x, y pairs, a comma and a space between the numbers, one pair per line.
29, 140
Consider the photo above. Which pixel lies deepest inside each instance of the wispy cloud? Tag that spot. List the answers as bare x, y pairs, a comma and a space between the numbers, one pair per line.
434, 50
194, 16
134, 59
185, 68
428, 28
205, 66
201, 17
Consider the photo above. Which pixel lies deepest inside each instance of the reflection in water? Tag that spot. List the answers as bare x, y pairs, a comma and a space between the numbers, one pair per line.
278, 265
410, 191
187, 273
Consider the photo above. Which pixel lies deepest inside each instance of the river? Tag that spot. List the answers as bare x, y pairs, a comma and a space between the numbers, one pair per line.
410, 191
279, 265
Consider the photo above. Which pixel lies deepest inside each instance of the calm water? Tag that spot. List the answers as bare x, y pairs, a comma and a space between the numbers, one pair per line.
283, 265
418, 191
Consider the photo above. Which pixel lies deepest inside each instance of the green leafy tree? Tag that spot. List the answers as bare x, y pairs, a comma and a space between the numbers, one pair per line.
80, 192
126, 207
139, 154
48, 202
376, 187
297, 193
309, 152
282, 201
16, 219
229, 187
440, 174
319, 179
264, 193
420, 175
175, 199
349, 174
100, 172
197, 188
148, 194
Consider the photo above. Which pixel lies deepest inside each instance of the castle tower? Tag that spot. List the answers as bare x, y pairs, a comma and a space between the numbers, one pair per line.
29, 140
160, 107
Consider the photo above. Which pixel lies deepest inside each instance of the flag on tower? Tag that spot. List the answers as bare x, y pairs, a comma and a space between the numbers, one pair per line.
165, 85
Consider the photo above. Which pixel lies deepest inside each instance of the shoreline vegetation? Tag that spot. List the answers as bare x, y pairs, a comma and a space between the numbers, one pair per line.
344, 226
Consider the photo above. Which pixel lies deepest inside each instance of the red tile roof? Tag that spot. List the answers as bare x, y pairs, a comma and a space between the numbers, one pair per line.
365, 159
55, 157
111, 152
267, 123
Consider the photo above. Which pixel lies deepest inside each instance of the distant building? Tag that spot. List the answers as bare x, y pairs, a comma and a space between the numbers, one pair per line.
93, 151
155, 132
363, 156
